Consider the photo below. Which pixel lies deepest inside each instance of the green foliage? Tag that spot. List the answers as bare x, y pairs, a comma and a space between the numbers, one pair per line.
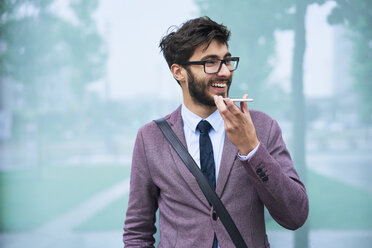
84, 9
48, 54
32, 197
357, 17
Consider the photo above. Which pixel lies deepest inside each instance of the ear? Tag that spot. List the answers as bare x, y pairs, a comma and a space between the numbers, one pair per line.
179, 73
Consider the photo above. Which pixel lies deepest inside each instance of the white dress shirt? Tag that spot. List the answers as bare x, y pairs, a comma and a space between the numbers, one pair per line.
216, 134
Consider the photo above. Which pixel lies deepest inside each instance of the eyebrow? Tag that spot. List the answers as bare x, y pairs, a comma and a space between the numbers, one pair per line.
213, 56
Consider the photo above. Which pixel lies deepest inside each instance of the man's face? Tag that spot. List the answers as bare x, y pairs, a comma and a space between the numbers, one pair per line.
201, 86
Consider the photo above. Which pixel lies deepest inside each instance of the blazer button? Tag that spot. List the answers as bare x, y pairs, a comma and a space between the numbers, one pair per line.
259, 170
265, 179
214, 215
262, 174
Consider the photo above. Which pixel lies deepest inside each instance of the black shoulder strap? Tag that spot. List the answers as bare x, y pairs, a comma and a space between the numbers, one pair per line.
209, 193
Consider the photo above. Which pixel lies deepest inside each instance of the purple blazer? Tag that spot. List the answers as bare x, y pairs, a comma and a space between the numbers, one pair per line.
159, 179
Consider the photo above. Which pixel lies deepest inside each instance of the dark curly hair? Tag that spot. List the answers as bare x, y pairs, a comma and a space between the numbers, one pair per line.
178, 46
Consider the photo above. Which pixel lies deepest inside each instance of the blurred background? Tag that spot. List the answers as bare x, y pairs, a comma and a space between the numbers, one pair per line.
79, 77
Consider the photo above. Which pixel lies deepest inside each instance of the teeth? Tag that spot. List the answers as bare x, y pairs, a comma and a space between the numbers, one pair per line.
220, 85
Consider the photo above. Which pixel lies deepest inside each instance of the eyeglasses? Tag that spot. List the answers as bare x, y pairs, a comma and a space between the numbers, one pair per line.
214, 65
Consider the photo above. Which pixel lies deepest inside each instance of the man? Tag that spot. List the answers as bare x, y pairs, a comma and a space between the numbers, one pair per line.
250, 166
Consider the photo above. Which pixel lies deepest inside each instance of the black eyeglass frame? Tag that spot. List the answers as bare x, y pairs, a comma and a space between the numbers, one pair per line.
222, 61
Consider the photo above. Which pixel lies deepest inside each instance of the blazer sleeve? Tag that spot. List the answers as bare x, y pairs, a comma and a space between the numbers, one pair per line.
277, 183
139, 226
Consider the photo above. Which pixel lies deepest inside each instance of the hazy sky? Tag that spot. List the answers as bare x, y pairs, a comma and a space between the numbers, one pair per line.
136, 68
133, 30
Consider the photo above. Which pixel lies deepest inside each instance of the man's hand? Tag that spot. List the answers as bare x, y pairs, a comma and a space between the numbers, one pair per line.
238, 124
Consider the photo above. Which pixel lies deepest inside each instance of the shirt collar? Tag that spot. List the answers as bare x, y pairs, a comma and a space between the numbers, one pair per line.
191, 120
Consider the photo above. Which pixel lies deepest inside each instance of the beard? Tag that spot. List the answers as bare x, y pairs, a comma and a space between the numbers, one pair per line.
198, 89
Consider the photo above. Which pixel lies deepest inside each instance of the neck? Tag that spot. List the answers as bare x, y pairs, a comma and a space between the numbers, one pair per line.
199, 109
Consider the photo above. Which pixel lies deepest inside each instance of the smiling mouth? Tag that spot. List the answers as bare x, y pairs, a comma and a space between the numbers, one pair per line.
219, 85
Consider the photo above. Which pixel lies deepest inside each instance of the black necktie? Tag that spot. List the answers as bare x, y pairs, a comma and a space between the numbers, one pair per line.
206, 153
207, 159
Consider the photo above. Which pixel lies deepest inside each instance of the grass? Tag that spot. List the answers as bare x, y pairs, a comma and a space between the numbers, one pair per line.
31, 197
334, 205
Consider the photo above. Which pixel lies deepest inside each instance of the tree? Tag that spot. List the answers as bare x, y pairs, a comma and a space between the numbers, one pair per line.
49, 55
50, 60
298, 101
357, 17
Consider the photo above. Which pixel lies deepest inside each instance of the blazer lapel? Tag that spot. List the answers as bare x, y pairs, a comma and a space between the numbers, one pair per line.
176, 124
229, 155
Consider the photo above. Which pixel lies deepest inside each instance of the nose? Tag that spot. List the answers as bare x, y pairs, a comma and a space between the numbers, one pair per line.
224, 71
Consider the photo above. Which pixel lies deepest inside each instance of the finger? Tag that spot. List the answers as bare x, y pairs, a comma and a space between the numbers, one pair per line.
244, 108
232, 107
243, 105
222, 108
218, 100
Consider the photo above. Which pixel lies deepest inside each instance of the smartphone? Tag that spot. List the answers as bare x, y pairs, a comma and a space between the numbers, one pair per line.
241, 100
